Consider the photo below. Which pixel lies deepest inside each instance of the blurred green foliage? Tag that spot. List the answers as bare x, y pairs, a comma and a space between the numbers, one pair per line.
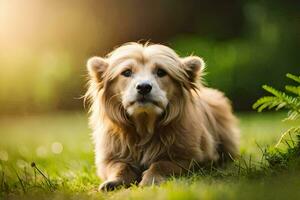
39, 84
266, 51
43, 53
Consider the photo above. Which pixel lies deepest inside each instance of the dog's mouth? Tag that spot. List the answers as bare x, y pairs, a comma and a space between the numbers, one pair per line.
144, 100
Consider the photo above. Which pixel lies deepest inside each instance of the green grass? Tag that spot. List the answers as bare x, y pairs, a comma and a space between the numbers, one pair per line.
61, 148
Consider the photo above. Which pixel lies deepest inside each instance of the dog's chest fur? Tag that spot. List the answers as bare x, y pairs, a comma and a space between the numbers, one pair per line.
142, 149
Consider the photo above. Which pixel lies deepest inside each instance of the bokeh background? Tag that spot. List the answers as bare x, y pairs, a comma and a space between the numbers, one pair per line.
44, 44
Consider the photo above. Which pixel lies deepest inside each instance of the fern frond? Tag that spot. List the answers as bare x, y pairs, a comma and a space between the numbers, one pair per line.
264, 102
291, 101
269, 102
281, 99
293, 77
293, 89
281, 105
273, 91
293, 115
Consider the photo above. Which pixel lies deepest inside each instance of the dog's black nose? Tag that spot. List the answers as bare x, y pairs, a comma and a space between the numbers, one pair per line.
144, 88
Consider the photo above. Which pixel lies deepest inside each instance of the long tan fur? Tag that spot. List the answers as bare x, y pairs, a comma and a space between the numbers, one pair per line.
194, 127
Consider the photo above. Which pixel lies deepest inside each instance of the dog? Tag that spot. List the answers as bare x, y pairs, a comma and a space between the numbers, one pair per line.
152, 117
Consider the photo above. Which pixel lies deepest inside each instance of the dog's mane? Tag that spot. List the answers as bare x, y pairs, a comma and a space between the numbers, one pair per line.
107, 110
163, 56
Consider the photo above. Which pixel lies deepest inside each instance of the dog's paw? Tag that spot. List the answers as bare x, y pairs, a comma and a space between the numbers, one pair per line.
149, 180
110, 185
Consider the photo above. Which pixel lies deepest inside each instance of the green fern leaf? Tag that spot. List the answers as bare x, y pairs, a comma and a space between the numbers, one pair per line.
281, 99
293, 89
293, 77
273, 91
263, 100
293, 115
281, 105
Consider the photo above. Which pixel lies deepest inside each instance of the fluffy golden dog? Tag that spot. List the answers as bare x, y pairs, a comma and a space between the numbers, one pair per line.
152, 118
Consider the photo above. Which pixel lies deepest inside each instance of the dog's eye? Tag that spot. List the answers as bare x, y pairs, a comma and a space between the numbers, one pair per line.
127, 73
161, 73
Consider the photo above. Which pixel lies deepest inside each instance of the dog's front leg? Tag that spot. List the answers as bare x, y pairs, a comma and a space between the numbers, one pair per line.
159, 171
118, 174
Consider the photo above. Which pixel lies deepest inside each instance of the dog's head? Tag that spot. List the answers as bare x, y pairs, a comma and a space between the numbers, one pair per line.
138, 79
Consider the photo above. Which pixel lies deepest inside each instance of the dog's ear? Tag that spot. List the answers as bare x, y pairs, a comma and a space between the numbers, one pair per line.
96, 67
193, 65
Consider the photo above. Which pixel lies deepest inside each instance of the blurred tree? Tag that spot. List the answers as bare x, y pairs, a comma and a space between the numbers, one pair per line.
44, 44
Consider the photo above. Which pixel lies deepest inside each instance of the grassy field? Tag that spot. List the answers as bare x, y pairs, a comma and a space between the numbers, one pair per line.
61, 148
